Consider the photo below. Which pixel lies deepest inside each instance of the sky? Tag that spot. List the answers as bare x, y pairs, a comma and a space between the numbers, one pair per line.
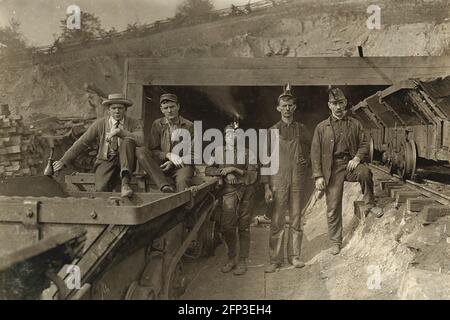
40, 19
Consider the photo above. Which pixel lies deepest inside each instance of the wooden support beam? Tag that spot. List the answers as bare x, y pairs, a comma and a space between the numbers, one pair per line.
433, 213
394, 190
389, 183
417, 205
402, 196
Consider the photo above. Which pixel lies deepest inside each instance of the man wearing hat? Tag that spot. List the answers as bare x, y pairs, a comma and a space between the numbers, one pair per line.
286, 188
338, 152
119, 139
161, 144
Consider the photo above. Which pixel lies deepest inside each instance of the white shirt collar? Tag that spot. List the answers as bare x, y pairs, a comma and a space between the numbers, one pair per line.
112, 121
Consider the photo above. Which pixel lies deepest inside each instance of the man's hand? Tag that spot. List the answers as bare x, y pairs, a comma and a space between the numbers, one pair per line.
58, 165
166, 166
227, 170
112, 133
231, 179
320, 184
352, 164
268, 194
175, 159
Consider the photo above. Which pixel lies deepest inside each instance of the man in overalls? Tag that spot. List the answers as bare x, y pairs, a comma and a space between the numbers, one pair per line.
338, 152
287, 187
237, 195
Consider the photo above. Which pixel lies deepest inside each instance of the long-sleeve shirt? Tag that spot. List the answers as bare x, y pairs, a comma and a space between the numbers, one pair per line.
249, 167
132, 129
160, 135
341, 131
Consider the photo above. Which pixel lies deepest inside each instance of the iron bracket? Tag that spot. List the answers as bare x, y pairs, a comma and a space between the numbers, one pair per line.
31, 214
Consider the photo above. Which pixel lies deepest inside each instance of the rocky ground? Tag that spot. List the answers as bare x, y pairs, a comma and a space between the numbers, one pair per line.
377, 261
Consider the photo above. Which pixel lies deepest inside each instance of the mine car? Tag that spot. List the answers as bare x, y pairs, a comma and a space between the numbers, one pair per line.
132, 248
408, 122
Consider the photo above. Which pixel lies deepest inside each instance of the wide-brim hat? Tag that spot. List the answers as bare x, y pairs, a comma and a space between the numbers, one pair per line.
168, 97
117, 98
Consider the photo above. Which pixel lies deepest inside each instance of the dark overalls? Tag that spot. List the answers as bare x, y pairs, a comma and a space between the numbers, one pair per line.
236, 213
288, 186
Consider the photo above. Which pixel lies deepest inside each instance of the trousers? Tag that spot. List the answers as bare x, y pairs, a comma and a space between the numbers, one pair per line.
235, 221
334, 194
107, 172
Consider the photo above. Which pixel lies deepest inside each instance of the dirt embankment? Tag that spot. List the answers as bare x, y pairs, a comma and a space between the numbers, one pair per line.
53, 84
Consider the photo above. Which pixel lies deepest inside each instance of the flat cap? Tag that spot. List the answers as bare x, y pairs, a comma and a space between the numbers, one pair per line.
168, 96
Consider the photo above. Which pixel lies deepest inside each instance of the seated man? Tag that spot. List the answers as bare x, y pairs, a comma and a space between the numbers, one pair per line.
237, 196
161, 144
119, 139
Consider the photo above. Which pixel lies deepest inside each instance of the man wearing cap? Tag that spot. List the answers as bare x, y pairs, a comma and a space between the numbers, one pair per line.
338, 152
161, 144
237, 194
286, 188
119, 139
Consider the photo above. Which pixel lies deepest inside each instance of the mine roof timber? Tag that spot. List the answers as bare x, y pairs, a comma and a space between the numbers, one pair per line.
277, 71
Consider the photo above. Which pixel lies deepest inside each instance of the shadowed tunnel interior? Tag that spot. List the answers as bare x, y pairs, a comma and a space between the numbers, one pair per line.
216, 106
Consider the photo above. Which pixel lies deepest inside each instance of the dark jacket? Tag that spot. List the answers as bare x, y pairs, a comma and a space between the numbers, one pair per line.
322, 147
160, 137
97, 131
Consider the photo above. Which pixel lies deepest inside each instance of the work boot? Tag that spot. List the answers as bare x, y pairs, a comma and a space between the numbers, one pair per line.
167, 189
297, 263
272, 267
126, 191
241, 268
335, 249
227, 267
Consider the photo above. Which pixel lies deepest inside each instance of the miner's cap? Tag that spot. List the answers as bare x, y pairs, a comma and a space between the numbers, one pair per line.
286, 95
117, 98
168, 97
335, 94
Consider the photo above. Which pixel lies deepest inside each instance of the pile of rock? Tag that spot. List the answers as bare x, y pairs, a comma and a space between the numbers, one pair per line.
17, 156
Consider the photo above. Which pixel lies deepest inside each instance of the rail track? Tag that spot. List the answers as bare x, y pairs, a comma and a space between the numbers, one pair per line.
430, 198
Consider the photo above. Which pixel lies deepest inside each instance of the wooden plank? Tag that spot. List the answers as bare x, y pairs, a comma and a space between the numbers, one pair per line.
273, 71
299, 77
136, 64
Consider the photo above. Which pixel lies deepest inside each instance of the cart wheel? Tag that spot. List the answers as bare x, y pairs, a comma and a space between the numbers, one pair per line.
408, 169
211, 238
371, 150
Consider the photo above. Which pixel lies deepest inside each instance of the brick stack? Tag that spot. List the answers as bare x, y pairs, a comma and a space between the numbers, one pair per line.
17, 151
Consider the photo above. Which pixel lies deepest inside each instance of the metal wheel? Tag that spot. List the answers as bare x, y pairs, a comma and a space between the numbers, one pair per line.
211, 238
408, 170
371, 150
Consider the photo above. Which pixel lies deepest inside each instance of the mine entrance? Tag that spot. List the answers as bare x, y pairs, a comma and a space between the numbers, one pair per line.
255, 106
